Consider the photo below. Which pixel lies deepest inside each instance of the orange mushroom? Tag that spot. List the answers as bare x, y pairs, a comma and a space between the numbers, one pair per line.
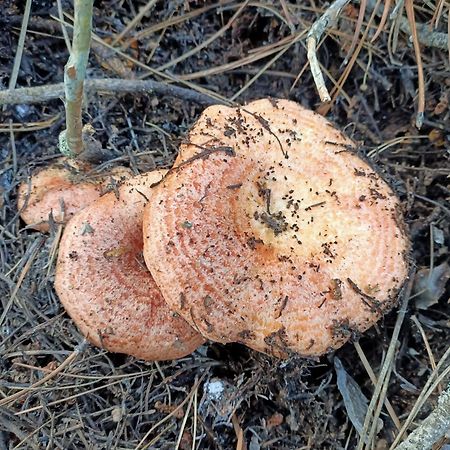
61, 190
273, 232
102, 281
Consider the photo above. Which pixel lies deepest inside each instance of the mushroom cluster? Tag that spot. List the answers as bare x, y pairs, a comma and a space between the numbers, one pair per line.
269, 231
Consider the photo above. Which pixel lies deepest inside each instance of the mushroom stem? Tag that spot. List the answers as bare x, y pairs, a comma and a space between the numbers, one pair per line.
71, 140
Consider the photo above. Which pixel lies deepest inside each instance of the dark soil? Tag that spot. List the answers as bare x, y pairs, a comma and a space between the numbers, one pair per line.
107, 401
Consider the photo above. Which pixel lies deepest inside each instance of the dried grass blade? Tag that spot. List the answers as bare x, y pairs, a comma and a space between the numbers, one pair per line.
12, 398
409, 6
267, 65
173, 21
137, 18
430, 385
384, 376
362, 12
387, 7
207, 42
20, 46
28, 126
33, 251
374, 380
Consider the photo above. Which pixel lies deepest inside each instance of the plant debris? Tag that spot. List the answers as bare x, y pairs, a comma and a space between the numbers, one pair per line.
106, 400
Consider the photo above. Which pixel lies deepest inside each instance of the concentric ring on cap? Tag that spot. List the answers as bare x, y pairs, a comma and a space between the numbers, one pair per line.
272, 232
104, 285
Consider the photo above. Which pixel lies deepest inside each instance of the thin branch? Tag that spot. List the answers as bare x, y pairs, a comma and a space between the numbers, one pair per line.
327, 20
374, 380
432, 428
71, 141
40, 94
435, 39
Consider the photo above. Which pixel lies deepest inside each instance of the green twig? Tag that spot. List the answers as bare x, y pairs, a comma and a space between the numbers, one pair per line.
71, 140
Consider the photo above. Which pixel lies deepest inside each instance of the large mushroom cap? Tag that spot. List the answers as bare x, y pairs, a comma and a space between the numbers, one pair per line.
62, 190
104, 285
272, 232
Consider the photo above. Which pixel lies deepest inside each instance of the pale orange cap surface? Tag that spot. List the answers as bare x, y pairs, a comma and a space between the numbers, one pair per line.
104, 285
272, 232
62, 190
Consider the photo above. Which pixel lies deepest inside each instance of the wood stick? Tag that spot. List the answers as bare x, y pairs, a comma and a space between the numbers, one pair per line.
40, 94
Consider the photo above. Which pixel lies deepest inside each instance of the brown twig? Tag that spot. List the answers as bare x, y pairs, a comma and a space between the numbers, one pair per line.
49, 92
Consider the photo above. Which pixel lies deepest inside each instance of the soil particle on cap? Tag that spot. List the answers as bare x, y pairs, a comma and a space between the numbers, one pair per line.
278, 341
335, 289
207, 301
229, 131
276, 222
234, 186
142, 194
344, 329
368, 300
182, 300
282, 302
265, 124
273, 102
359, 172
246, 335
87, 229
377, 195
209, 327
253, 242
315, 205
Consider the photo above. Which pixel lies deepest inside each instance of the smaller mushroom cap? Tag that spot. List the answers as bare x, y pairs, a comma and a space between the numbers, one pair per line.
62, 190
104, 285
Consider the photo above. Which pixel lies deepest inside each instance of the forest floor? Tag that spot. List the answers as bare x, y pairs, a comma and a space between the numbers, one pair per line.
254, 49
